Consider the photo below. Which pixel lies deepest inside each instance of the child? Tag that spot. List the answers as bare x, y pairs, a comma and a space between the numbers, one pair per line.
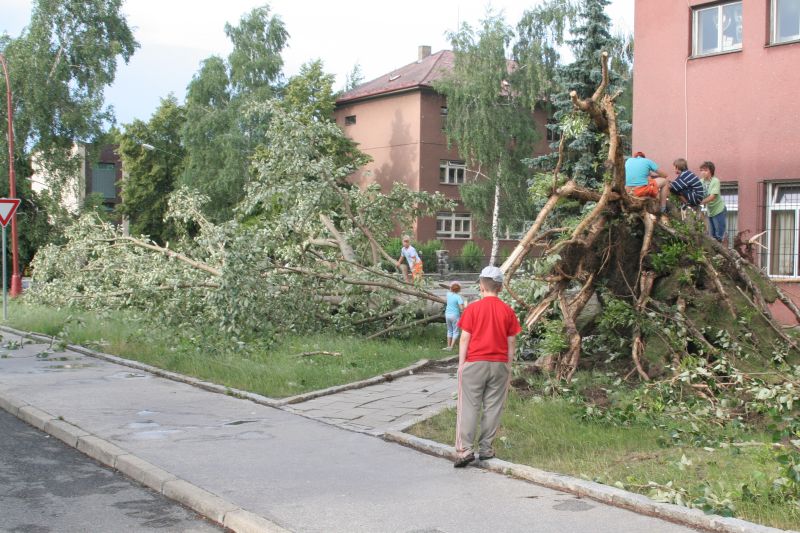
639, 183
485, 352
412, 257
713, 201
687, 185
452, 314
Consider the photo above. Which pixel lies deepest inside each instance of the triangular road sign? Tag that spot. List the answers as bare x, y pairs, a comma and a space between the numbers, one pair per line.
8, 206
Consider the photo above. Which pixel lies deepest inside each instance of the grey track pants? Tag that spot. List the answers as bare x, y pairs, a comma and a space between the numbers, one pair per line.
480, 384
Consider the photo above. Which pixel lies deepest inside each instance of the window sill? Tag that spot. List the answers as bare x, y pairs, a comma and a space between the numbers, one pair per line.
782, 43
453, 184
715, 54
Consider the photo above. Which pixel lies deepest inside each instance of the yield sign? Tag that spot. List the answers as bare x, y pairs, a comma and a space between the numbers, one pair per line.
8, 206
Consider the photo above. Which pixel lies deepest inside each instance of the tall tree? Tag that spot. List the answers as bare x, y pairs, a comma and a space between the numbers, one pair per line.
311, 92
490, 117
153, 156
59, 67
584, 154
218, 136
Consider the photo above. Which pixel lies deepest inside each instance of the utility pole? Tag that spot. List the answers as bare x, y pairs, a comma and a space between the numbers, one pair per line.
16, 279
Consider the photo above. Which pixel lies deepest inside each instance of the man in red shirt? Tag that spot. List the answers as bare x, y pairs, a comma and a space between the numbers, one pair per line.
488, 339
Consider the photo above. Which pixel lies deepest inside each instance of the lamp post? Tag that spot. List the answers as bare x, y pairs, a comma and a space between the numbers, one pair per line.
16, 279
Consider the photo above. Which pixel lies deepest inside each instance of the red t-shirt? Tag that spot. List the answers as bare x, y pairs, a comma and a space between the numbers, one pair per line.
489, 321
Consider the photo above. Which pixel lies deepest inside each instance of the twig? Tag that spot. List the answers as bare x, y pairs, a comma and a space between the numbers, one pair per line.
308, 354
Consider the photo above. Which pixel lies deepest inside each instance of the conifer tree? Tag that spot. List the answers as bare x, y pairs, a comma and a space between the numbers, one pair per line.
584, 152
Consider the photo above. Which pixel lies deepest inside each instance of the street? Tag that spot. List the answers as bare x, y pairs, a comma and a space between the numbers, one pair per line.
47, 486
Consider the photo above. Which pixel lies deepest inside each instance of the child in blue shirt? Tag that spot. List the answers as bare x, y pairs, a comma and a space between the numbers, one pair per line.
452, 314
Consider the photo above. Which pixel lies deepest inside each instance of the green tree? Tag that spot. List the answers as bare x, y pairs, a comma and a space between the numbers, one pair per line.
353, 78
151, 174
584, 154
219, 136
310, 93
59, 67
490, 120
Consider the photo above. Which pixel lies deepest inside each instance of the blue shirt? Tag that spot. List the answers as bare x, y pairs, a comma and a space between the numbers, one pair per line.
453, 302
687, 184
637, 169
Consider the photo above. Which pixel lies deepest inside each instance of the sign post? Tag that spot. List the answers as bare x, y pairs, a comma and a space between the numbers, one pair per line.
8, 206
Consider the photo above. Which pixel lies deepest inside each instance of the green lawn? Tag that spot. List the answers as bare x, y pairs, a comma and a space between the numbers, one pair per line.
548, 434
275, 371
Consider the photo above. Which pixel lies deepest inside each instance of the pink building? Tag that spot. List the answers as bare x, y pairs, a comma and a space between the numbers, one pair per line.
398, 119
719, 81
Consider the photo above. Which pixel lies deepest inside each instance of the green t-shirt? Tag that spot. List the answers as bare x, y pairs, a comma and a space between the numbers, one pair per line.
717, 205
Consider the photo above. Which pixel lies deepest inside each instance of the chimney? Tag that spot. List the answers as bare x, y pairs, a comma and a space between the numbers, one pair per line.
423, 52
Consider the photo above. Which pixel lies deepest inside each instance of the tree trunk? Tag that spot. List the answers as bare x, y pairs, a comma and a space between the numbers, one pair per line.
495, 226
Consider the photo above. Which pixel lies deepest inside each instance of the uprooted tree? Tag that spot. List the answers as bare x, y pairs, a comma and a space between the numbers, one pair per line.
666, 290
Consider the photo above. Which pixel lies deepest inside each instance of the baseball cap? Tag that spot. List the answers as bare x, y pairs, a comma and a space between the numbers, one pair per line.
493, 273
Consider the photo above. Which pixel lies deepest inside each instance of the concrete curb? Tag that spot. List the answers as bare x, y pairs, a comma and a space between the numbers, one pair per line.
589, 489
389, 376
229, 391
199, 500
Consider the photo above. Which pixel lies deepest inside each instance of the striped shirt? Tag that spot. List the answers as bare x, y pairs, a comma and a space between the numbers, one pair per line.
688, 185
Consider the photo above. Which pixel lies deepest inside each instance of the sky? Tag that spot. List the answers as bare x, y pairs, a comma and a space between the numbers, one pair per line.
176, 35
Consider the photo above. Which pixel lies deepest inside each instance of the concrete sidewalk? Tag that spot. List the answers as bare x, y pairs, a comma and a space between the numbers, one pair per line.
258, 468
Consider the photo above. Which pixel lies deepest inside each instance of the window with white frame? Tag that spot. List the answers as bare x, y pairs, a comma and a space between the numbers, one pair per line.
785, 21
730, 195
453, 225
783, 213
443, 114
452, 172
717, 28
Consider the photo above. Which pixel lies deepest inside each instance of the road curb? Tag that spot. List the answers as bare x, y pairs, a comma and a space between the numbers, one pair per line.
589, 489
389, 376
196, 498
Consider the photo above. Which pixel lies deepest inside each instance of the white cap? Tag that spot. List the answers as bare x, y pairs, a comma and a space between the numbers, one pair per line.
492, 272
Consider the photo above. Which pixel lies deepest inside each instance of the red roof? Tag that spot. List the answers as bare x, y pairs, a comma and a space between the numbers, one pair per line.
420, 73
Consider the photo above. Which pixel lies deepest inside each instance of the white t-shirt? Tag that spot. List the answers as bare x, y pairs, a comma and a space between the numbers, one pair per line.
410, 254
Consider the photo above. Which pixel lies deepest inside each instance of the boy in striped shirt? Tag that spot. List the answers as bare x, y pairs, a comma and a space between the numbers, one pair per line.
687, 186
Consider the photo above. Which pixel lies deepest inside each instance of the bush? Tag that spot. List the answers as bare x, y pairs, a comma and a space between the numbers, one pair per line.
471, 257
427, 253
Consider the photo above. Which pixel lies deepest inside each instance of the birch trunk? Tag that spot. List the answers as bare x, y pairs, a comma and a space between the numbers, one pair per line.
495, 226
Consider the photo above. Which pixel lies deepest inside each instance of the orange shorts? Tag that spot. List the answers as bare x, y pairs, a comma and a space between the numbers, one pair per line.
651, 189
416, 271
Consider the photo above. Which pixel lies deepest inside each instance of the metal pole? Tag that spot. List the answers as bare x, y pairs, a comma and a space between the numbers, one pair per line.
16, 279
5, 293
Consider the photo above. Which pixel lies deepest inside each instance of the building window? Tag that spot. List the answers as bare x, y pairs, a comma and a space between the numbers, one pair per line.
349, 120
717, 28
730, 195
443, 114
785, 21
452, 172
783, 213
453, 225
104, 179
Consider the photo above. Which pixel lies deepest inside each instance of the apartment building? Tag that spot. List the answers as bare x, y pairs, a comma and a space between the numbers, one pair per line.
718, 81
399, 119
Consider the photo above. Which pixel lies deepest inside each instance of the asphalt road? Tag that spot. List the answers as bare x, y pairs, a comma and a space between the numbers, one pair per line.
46, 486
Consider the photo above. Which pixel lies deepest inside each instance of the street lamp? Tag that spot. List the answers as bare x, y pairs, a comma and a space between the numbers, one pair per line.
16, 279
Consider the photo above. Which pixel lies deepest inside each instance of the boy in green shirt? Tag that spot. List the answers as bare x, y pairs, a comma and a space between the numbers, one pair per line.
713, 201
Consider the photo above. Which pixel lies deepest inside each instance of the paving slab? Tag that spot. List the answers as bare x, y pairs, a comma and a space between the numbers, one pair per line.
301, 474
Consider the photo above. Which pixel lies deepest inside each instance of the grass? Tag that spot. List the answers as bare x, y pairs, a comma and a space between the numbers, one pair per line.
275, 371
548, 434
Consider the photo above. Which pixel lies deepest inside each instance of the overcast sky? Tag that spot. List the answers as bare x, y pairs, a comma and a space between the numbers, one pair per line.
176, 35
